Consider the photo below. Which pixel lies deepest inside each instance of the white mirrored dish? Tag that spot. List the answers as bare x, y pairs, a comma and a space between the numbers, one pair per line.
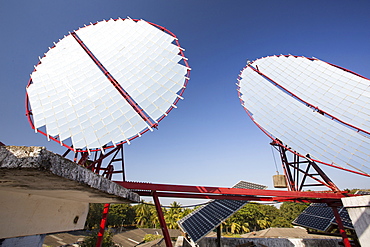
107, 83
312, 106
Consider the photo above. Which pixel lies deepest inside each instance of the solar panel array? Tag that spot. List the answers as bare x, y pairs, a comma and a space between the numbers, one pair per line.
74, 98
205, 219
320, 217
272, 99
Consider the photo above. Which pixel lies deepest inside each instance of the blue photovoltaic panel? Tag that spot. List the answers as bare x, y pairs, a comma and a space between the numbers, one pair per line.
346, 220
319, 210
320, 217
206, 218
312, 221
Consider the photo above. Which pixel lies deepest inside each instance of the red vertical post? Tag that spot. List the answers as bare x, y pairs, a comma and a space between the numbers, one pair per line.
162, 222
341, 227
103, 221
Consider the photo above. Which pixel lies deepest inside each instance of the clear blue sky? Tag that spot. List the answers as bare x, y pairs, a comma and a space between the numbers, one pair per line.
209, 139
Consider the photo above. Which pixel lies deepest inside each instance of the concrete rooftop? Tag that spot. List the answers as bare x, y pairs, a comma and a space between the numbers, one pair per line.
36, 171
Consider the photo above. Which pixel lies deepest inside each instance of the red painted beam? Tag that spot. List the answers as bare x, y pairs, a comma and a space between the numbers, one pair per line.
341, 228
241, 198
231, 191
99, 240
162, 222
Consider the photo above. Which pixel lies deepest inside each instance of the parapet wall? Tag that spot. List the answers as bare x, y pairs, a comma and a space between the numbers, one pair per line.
263, 242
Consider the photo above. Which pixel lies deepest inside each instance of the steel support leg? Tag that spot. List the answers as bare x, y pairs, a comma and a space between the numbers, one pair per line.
162, 222
341, 227
219, 236
103, 221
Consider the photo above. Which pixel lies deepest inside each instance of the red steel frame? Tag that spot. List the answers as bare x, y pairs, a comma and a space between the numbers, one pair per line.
186, 191
292, 170
208, 192
120, 89
199, 192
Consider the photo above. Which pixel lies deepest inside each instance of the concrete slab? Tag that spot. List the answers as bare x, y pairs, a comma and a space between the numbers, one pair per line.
42, 192
36, 171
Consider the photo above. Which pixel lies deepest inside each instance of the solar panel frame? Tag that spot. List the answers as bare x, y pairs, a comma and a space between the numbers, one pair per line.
206, 218
320, 216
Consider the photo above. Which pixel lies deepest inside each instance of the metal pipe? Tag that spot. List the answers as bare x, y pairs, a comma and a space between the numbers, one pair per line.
162, 222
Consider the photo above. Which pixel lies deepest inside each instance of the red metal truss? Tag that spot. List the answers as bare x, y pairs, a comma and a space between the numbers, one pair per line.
162, 222
332, 198
302, 166
204, 192
238, 198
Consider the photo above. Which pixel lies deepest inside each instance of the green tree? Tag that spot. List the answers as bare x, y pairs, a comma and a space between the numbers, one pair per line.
173, 215
121, 214
145, 215
90, 241
250, 214
270, 211
185, 211
94, 216
281, 222
154, 220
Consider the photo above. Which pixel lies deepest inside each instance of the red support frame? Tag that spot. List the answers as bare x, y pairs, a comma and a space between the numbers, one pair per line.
342, 231
232, 193
202, 192
293, 169
99, 240
162, 222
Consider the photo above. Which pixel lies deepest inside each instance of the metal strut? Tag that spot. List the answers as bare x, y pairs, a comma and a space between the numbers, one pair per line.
162, 222
293, 170
342, 231
298, 170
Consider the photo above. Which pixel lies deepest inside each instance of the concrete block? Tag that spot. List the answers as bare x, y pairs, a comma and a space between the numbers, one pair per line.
359, 211
42, 192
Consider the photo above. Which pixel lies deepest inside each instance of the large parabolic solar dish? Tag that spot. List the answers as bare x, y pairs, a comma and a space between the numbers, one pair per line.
311, 106
106, 84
